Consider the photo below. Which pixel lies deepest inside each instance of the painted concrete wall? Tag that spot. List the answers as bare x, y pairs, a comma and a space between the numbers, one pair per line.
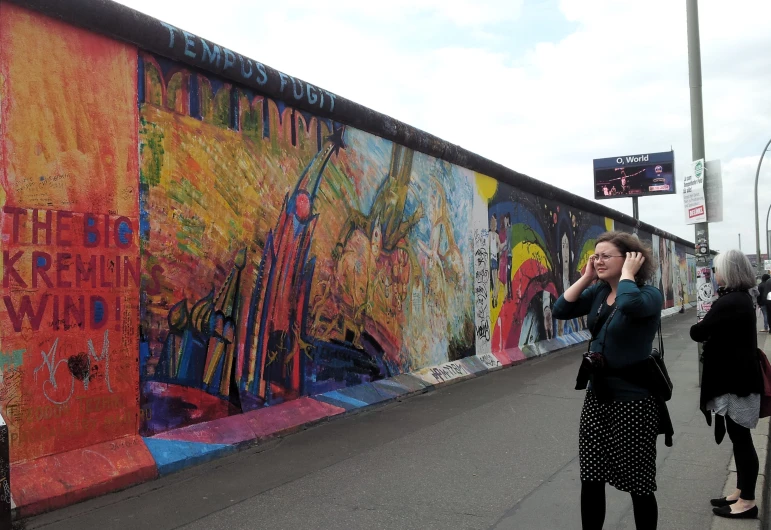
179, 249
70, 224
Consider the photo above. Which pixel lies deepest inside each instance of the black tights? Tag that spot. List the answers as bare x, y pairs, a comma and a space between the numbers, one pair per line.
746, 458
646, 510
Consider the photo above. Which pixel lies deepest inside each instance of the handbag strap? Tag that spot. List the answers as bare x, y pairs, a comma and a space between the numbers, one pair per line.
661, 342
604, 325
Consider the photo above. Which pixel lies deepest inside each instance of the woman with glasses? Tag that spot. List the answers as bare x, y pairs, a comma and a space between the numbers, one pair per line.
732, 381
620, 419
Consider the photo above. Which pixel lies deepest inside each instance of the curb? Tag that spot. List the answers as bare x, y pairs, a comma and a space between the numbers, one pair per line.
56, 481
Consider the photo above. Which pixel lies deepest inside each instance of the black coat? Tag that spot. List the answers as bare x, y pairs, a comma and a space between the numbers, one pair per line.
729, 334
763, 290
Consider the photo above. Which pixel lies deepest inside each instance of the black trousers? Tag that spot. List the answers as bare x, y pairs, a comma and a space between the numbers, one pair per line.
746, 459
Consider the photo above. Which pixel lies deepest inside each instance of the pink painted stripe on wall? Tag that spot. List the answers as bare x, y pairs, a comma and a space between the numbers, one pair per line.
255, 424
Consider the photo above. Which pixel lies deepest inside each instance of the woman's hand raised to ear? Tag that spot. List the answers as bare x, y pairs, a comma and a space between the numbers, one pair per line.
590, 273
634, 261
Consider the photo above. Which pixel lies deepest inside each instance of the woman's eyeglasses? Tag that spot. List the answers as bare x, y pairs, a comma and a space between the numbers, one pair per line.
603, 257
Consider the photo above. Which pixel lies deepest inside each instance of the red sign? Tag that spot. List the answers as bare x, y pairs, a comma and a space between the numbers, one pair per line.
695, 212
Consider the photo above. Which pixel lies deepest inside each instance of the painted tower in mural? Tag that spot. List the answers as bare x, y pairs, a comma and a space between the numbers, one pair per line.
200, 348
275, 353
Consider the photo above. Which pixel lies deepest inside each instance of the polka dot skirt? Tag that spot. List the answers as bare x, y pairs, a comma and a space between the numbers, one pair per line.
617, 443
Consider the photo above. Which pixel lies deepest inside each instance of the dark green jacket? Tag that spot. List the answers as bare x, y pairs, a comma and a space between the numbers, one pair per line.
628, 338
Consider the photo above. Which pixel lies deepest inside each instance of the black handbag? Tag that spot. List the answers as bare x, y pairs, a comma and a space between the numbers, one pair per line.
659, 383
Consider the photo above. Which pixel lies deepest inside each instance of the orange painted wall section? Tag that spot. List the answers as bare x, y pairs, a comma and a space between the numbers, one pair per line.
71, 274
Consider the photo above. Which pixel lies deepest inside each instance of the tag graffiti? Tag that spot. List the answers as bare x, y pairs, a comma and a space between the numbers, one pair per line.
81, 367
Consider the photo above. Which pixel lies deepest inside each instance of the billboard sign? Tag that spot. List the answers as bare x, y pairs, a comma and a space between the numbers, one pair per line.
635, 175
694, 198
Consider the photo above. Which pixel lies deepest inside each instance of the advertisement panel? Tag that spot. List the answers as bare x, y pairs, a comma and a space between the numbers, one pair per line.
694, 198
635, 175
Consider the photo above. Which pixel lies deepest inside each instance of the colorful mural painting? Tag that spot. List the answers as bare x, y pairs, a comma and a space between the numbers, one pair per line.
179, 248
536, 249
285, 255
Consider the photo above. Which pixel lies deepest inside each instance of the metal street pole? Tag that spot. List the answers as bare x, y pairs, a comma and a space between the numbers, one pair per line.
757, 217
697, 152
697, 111
768, 237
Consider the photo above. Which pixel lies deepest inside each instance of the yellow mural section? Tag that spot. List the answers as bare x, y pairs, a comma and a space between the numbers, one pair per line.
486, 186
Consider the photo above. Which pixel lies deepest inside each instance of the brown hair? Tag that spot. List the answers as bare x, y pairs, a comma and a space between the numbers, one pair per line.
626, 242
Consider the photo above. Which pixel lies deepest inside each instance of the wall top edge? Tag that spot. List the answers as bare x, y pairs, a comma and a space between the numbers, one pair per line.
150, 34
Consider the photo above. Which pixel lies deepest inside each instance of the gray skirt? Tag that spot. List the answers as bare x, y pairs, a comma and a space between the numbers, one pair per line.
743, 411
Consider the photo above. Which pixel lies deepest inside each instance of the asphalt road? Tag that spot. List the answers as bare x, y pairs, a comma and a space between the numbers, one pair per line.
495, 452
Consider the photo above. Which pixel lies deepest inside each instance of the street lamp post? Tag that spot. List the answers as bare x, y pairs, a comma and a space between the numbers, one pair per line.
757, 216
768, 239
697, 153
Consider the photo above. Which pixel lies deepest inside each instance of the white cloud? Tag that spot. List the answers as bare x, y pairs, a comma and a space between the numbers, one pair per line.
616, 84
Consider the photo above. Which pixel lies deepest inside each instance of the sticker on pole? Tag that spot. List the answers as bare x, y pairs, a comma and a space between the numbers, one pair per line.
694, 198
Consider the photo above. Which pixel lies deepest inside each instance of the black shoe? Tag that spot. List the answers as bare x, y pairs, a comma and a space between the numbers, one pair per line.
722, 501
725, 511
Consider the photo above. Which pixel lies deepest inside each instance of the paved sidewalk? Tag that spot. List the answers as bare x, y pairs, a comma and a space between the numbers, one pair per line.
495, 452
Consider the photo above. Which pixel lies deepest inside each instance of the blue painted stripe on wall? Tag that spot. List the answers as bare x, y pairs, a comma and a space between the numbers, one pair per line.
174, 455
337, 396
390, 389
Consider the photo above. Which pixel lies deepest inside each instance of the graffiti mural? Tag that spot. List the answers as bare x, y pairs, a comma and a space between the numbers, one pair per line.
681, 277
285, 255
691, 276
70, 227
535, 250
178, 248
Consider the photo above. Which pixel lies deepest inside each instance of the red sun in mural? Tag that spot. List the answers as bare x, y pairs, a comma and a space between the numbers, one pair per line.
303, 206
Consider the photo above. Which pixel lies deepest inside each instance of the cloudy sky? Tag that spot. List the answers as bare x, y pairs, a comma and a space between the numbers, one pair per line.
540, 86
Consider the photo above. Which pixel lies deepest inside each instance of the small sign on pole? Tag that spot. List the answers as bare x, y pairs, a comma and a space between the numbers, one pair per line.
693, 194
767, 265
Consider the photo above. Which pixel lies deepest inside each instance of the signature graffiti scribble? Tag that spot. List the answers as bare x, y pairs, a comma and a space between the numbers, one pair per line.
77, 368
483, 330
104, 357
50, 362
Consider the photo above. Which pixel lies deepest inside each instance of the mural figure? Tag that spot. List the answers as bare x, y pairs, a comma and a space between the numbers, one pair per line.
666, 285
373, 269
445, 262
494, 257
388, 208
548, 320
508, 248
